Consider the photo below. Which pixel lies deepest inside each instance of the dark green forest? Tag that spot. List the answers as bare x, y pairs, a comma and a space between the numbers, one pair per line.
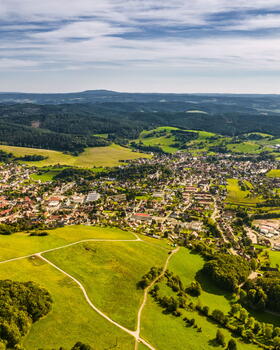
71, 127
21, 304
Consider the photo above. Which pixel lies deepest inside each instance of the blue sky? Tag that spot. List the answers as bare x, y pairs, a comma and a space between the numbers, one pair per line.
140, 45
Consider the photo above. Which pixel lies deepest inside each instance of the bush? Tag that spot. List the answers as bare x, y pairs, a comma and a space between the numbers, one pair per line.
194, 289
21, 304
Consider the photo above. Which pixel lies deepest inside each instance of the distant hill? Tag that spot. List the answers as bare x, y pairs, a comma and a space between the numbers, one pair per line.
95, 96
72, 121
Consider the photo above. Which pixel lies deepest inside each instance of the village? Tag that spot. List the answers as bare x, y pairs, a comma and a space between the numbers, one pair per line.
190, 201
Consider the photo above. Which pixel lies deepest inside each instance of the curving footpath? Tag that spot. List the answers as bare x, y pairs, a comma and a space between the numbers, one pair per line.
146, 291
135, 334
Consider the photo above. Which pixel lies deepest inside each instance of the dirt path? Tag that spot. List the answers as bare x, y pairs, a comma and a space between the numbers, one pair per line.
146, 291
132, 333
135, 334
71, 244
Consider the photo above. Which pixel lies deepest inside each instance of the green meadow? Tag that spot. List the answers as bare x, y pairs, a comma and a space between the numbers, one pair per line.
244, 147
21, 244
71, 319
110, 272
273, 173
165, 331
108, 156
166, 141
236, 196
186, 265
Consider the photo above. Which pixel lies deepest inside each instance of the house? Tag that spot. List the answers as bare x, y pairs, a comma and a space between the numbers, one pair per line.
142, 217
92, 197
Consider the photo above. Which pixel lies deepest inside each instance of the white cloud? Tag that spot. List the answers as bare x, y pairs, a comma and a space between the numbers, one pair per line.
102, 23
8, 63
268, 21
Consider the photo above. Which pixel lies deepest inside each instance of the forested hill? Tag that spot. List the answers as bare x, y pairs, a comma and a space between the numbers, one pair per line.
73, 126
96, 96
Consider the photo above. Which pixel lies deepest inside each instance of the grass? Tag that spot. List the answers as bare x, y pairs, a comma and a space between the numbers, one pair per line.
273, 173
95, 156
186, 265
20, 244
244, 147
238, 197
274, 258
165, 141
71, 318
46, 176
165, 331
110, 272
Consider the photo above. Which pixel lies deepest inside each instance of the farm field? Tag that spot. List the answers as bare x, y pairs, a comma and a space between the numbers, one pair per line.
244, 147
171, 332
20, 244
110, 272
166, 141
274, 257
236, 196
273, 173
96, 156
71, 318
186, 265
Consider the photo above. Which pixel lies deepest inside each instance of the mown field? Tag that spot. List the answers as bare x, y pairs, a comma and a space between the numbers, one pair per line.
20, 244
166, 331
110, 272
71, 318
236, 196
96, 156
166, 141
273, 173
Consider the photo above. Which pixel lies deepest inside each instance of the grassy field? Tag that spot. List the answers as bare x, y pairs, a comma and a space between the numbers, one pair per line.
274, 257
71, 318
169, 332
110, 272
186, 264
46, 176
244, 147
273, 173
165, 331
166, 141
236, 196
96, 156
20, 244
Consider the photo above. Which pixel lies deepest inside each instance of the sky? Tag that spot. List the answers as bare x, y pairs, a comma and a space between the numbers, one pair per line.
140, 45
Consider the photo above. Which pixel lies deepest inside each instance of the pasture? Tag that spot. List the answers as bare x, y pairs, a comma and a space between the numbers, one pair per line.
273, 173
236, 196
71, 319
165, 331
110, 272
108, 156
20, 244
186, 265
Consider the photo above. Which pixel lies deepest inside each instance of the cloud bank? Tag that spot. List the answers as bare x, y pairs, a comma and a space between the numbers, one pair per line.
145, 36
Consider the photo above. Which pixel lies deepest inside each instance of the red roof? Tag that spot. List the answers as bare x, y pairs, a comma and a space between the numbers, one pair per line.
142, 214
